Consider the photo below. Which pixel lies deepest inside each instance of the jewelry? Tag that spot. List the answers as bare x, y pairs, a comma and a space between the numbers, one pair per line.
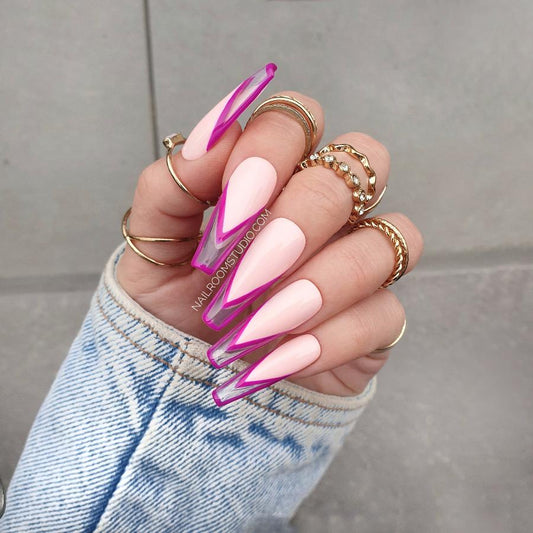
130, 238
343, 170
401, 251
170, 143
394, 342
356, 154
294, 108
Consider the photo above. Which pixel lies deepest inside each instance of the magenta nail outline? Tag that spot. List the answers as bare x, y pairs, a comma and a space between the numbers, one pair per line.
222, 309
235, 333
223, 123
219, 234
240, 302
239, 381
244, 348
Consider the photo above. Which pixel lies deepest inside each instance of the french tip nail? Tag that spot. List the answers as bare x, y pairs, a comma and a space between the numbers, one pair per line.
275, 249
287, 309
245, 196
217, 121
282, 362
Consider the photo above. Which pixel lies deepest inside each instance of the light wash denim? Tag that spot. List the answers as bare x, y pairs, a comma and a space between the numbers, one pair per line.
129, 438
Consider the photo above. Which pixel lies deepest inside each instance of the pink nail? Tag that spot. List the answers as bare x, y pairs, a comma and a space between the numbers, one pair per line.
286, 310
209, 130
279, 364
246, 194
275, 249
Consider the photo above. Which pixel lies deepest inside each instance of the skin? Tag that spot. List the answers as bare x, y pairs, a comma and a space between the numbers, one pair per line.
357, 316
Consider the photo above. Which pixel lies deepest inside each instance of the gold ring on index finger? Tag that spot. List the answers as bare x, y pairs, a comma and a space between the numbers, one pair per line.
295, 109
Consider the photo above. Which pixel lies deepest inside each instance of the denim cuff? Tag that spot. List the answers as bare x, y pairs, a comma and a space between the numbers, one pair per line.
130, 439
185, 355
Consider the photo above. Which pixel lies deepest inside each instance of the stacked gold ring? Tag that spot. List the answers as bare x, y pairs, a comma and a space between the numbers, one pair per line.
371, 175
344, 171
170, 142
130, 238
360, 196
294, 108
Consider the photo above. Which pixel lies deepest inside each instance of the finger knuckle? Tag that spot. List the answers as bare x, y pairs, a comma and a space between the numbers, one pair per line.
145, 183
391, 309
355, 257
331, 200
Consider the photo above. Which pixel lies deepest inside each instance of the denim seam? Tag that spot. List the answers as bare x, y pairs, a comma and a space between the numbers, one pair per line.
199, 359
210, 383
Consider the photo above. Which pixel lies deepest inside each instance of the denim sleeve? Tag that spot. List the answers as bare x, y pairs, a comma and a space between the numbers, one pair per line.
129, 439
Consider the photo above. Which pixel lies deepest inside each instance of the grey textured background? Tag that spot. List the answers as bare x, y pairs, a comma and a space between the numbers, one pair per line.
87, 89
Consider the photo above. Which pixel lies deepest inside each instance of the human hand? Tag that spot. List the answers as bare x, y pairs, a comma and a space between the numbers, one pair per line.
353, 316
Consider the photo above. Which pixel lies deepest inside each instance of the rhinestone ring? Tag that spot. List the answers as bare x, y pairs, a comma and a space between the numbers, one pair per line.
343, 170
359, 156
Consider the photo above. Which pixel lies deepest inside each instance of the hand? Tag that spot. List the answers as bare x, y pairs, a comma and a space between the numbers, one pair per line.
354, 318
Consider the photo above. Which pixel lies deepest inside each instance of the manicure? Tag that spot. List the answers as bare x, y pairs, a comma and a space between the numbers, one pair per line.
286, 310
275, 249
279, 364
209, 130
246, 194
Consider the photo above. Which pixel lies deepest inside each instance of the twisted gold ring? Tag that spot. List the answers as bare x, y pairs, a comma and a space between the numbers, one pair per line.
130, 238
401, 252
170, 143
294, 108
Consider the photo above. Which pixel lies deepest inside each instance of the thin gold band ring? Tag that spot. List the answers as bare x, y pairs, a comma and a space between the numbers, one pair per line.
394, 342
130, 238
170, 142
295, 109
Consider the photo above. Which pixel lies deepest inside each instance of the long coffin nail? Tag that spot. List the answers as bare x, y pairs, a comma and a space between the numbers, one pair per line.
275, 249
209, 130
286, 310
279, 364
246, 194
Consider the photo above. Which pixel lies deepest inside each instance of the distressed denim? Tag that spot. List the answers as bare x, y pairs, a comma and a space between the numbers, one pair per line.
129, 439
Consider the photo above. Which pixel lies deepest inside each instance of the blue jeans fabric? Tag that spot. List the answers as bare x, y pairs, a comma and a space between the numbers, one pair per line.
129, 439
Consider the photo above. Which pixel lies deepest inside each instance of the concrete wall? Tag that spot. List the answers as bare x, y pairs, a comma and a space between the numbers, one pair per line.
446, 85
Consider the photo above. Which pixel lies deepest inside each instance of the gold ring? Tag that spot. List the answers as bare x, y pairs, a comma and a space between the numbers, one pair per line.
170, 143
363, 159
401, 252
344, 171
294, 108
130, 238
394, 342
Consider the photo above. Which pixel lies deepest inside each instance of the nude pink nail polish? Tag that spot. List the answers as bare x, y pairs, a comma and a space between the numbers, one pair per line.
246, 194
286, 310
275, 249
209, 130
279, 364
